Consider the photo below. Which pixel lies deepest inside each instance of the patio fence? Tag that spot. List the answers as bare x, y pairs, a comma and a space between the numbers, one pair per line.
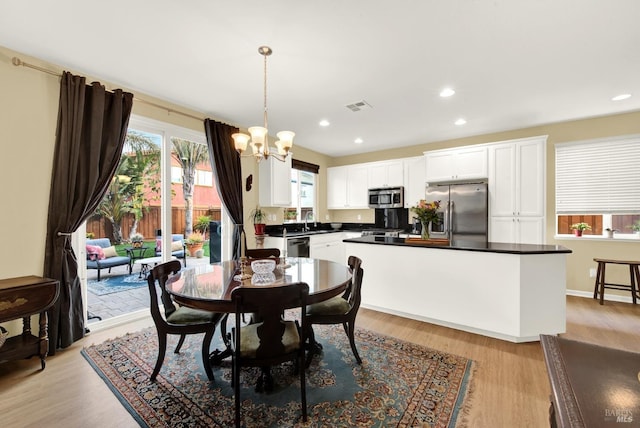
101, 227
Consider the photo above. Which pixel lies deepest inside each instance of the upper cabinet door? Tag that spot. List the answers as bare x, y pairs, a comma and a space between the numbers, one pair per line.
414, 180
275, 182
457, 164
337, 187
516, 178
385, 174
347, 187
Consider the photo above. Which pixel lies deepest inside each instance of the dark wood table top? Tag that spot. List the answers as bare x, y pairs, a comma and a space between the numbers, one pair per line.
592, 386
209, 287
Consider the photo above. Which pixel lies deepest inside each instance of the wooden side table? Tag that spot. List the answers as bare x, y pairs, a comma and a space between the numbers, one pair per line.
20, 298
591, 385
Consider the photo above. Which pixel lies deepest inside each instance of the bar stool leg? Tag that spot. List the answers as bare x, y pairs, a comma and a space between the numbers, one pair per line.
633, 274
599, 285
602, 276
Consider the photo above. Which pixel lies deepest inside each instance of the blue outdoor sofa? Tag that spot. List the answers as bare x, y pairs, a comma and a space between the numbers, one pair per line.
95, 262
179, 249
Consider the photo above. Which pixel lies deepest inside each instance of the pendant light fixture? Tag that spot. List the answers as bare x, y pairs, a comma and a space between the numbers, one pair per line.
259, 138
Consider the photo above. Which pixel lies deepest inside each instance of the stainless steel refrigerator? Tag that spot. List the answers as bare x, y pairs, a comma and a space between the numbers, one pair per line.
463, 213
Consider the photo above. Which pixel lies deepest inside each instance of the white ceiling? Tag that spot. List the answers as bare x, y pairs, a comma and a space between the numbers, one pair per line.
512, 63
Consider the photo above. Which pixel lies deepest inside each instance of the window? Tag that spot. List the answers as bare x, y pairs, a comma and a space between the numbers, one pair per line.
303, 192
176, 174
204, 178
597, 182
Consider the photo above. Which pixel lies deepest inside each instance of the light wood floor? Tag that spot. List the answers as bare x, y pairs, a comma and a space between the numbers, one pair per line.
510, 386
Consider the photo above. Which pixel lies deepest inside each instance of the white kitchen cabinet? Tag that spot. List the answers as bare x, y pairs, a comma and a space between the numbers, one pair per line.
385, 174
328, 246
347, 187
458, 164
414, 180
275, 182
517, 190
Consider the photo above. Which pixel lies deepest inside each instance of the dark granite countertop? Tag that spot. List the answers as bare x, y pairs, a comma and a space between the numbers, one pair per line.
490, 247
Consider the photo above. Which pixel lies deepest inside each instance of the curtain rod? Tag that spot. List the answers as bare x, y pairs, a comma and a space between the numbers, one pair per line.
18, 62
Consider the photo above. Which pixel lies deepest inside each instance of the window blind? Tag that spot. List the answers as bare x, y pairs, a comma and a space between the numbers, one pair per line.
598, 177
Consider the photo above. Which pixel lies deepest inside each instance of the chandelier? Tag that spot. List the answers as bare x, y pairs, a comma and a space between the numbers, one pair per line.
259, 138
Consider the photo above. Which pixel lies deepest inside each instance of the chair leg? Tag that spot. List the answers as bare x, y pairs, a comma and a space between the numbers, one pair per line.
206, 345
162, 348
98, 274
350, 329
180, 342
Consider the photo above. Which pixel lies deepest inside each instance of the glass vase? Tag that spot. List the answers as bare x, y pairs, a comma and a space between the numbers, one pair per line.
425, 229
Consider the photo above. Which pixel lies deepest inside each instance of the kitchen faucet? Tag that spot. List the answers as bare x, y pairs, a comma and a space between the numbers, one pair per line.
306, 217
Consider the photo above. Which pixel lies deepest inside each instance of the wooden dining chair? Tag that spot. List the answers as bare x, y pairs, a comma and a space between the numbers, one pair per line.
178, 320
340, 309
262, 253
271, 341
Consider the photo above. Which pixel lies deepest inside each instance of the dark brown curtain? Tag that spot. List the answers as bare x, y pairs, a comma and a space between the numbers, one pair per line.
92, 126
225, 162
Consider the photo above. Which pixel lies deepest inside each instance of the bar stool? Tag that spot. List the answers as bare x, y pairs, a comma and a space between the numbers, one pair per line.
601, 284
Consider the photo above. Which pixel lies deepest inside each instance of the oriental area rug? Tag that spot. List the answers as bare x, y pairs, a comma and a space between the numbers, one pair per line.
399, 384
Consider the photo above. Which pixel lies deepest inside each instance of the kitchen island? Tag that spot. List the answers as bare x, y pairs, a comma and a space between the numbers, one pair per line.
513, 292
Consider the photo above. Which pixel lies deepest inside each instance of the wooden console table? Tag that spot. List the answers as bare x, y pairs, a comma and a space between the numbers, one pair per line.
592, 386
20, 298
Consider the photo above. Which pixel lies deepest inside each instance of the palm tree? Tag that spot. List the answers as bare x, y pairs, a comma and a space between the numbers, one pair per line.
138, 167
142, 164
189, 154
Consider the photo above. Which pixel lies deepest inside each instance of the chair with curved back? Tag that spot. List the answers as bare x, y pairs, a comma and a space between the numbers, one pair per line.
272, 340
261, 253
340, 309
178, 320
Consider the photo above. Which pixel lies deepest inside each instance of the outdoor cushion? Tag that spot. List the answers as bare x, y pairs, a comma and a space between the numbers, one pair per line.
110, 252
176, 246
95, 252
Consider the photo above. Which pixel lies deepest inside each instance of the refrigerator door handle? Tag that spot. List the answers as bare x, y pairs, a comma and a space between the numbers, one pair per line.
450, 229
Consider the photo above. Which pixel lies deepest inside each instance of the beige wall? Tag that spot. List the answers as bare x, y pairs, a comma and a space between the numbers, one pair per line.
28, 113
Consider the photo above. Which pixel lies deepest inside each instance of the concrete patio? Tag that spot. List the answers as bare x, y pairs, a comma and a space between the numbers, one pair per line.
123, 302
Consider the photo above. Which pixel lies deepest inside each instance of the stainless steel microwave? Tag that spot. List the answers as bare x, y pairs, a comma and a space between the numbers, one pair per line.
386, 197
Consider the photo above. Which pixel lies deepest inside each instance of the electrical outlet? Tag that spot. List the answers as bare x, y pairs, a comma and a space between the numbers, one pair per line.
326, 217
592, 272
359, 217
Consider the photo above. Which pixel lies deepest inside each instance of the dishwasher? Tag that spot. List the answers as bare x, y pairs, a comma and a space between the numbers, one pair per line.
298, 247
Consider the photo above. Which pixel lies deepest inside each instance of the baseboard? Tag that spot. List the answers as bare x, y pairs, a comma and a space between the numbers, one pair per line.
607, 296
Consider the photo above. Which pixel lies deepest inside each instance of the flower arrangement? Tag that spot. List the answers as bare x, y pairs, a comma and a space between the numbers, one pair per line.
427, 212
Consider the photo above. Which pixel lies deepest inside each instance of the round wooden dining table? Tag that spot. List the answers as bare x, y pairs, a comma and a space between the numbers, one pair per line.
209, 287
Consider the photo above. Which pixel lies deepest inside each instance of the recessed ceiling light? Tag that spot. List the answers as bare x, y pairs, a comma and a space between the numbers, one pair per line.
324, 122
621, 97
358, 140
447, 92
460, 122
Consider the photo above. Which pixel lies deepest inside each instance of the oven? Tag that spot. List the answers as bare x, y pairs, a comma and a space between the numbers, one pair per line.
386, 197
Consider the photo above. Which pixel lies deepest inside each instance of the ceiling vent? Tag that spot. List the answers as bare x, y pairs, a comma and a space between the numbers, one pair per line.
359, 105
